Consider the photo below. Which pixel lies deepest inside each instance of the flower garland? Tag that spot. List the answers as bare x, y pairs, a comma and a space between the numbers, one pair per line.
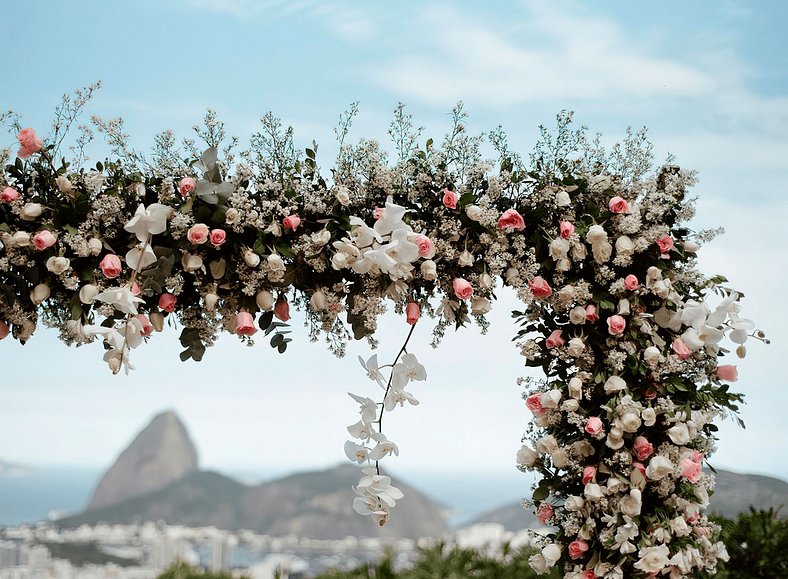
615, 312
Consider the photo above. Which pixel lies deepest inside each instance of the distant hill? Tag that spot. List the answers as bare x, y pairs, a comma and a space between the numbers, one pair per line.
9, 469
310, 504
156, 479
734, 494
159, 455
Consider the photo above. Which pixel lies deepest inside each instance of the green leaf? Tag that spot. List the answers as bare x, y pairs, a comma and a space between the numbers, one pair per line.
265, 320
277, 340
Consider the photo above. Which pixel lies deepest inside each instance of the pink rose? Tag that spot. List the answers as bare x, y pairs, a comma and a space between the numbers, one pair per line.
198, 233
566, 228
728, 373
187, 185
545, 512
217, 237
412, 313
425, 245
511, 218
9, 194
588, 574
534, 404
616, 325
591, 315
3, 330
378, 213
691, 470
135, 289
577, 548
29, 143
697, 456
643, 448
540, 288
44, 239
681, 349
291, 221
555, 340
450, 199
639, 466
462, 288
665, 244
147, 327
618, 205
167, 302
589, 473
244, 324
110, 266
282, 310
631, 282
594, 426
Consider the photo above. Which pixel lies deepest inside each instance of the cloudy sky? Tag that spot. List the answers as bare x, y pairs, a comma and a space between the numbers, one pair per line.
709, 80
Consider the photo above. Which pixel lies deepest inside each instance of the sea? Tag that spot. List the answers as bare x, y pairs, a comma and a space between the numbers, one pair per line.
47, 492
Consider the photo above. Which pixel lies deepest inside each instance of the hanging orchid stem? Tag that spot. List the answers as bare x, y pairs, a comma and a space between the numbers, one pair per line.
128, 316
379, 421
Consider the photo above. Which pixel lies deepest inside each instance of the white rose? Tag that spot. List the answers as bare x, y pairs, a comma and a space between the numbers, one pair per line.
679, 527
566, 294
614, 440
562, 199
486, 281
537, 563
88, 293
570, 405
64, 184
429, 270
95, 245
30, 211
573, 503
550, 399
274, 229
630, 504
623, 307
691, 246
20, 239
559, 248
596, 235
649, 416
625, 246
679, 434
40, 293
275, 263
593, 492
58, 265
653, 559
551, 554
318, 301
265, 300
659, 467
662, 288
630, 421
342, 195
615, 384
560, 458
546, 444
232, 216
474, 212
210, 301
251, 258
575, 386
480, 305
526, 456
602, 252
218, 268
583, 448
465, 259
577, 315
512, 276
339, 260
575, 347
652, 355
321, 237
579, 251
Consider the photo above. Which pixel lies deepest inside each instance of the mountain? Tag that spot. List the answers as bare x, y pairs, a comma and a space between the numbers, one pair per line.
310, 504
734, 494
160, 455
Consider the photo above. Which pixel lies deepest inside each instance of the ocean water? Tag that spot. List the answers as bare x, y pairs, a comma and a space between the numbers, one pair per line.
64, 490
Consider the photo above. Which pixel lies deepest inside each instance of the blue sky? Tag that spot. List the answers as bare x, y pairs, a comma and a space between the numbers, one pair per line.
709, 79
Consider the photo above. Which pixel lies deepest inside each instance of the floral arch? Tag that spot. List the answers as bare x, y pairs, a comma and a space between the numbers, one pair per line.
629, 334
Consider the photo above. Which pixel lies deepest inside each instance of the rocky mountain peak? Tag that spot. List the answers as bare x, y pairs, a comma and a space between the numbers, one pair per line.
160, 454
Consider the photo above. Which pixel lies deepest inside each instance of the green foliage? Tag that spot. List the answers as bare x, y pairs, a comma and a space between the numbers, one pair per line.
183, 570
443, 562
757, 543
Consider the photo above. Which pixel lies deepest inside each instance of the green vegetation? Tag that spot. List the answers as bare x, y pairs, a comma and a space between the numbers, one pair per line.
182, 570
757, 543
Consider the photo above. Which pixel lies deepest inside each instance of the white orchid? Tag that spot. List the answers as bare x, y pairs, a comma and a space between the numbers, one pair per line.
140, 257
149, 221
120, 298
410, 368
373, 369
356, 452
369, 408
